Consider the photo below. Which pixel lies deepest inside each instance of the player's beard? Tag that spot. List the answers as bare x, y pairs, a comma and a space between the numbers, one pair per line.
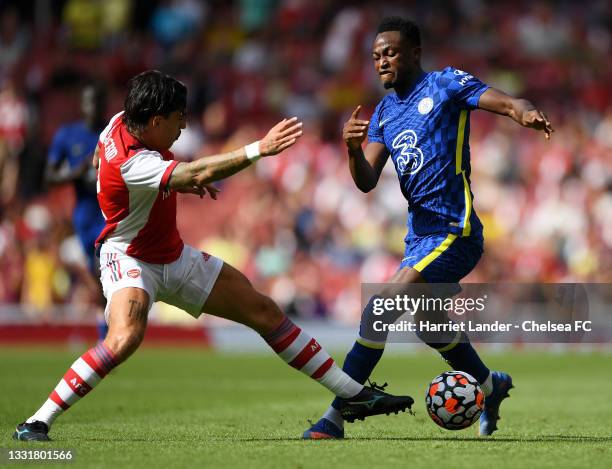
388, 84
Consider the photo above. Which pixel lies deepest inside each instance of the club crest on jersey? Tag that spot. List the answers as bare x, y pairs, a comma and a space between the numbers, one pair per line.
410, 159
425, 105
133, 273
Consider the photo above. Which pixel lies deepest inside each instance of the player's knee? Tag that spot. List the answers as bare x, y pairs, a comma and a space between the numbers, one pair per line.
124, 342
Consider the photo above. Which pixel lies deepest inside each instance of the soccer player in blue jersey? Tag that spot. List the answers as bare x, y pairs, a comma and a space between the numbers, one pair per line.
69, 161
424, 126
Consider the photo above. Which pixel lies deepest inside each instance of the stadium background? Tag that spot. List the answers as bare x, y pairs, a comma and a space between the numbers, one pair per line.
295, 224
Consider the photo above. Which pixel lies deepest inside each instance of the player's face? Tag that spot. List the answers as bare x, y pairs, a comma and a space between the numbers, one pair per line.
168, 129
391, 59
92, 104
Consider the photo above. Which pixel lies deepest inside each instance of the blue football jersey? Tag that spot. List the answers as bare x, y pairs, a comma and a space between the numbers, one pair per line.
427, 135
74, 145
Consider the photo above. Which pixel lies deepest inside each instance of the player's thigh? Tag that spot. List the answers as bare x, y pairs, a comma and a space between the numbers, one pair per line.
127, 312
234, 298
130, 287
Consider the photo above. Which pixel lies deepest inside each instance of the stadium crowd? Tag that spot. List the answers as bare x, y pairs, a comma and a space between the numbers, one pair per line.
295, 223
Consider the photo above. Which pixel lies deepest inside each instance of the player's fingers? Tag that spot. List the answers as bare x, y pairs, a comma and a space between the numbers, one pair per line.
293, 136
356, 112
361, 122
354, 126
282, 125
287, 144
354, 135
290, 130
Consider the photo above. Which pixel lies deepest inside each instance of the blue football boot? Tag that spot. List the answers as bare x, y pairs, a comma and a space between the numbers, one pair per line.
502, 383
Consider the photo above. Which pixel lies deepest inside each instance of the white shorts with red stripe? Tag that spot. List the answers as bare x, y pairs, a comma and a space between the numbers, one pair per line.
184, 283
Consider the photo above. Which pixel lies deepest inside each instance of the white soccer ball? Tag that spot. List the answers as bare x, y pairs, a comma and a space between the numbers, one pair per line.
454, 400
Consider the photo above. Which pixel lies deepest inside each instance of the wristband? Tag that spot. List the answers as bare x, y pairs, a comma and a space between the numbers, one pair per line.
252, 151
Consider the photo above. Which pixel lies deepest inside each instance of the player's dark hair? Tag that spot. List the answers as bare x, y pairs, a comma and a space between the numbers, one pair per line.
152, 93
408, 30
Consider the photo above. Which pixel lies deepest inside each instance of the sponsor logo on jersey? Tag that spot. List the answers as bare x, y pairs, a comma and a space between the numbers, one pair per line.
206, 256
425, 105
410, 159
466, 76
133, 273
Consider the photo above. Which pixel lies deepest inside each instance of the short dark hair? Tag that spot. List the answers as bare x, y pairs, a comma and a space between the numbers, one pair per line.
152, 93
408, 29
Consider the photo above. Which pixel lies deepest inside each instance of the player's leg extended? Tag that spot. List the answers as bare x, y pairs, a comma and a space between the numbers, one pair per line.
451, 260
127, 318
234, 298
358, 364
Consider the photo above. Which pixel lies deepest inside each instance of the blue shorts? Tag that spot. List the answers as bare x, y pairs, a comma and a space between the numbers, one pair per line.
442, 257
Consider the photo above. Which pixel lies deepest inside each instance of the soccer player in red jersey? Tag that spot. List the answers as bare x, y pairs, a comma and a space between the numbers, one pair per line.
143, 258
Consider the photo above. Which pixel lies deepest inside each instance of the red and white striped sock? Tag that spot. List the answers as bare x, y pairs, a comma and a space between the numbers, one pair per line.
84, 374
305, 354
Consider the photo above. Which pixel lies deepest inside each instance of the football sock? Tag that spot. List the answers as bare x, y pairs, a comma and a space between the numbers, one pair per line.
361, 359
84, 374
487, 385
334, 416
460, 355
359, 364
304, 353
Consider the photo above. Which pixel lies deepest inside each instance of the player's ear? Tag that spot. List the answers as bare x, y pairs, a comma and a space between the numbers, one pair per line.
155, 121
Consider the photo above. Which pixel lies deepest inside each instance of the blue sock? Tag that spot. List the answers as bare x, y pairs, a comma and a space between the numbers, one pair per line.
102, 329
463, 357
359, 364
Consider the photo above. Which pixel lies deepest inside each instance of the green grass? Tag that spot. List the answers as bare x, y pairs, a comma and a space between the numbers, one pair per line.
180, 408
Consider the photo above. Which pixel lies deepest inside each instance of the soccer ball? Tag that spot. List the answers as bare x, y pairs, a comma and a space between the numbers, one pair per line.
454, 400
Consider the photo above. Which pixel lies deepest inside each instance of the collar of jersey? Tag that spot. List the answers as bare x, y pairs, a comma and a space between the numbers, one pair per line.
408, 94
132, 143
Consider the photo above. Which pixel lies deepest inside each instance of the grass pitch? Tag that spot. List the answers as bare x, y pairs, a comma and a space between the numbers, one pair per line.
181, 408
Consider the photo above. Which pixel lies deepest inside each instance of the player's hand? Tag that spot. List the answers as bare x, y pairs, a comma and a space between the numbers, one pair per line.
537, 120
210, 188
201, 191
355, 130
95, 161
280, 137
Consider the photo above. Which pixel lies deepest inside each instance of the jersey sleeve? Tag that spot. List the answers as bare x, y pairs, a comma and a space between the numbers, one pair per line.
147, 170
375, 131
56, 150
463, 88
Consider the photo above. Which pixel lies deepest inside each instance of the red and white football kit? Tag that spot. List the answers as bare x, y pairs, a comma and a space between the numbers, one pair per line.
140, 245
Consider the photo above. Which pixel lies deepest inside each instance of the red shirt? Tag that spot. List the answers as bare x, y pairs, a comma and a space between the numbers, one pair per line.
140, 213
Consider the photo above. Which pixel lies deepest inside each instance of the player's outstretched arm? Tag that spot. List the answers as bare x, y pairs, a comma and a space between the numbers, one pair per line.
365, 166
519, 110
194, 176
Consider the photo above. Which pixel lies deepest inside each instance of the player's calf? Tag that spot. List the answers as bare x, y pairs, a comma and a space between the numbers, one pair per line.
82, 376
128, 310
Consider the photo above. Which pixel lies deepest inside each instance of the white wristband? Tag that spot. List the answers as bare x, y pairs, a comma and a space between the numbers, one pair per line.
252, 151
